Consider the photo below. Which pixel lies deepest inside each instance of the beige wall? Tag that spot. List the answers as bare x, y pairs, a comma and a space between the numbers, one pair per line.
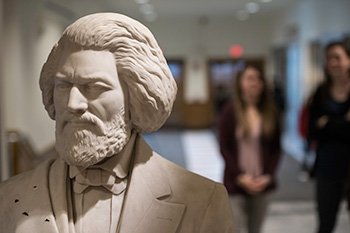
4, 171
29, 33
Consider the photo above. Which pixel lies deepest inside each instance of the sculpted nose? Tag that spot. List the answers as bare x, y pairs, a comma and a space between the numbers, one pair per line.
77, 102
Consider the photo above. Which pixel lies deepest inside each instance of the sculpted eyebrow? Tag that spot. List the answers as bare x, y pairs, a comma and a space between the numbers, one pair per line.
60, 76
103, 77
81, 79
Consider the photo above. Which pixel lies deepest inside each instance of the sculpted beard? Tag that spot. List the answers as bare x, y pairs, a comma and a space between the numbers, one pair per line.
87, 144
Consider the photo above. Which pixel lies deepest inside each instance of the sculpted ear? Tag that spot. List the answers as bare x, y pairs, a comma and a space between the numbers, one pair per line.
47, 96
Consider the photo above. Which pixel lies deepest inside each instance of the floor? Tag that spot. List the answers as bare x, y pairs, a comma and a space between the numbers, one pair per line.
292, 209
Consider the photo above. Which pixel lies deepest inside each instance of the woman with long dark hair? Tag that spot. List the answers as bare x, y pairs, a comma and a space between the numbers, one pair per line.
249, 135
329, 127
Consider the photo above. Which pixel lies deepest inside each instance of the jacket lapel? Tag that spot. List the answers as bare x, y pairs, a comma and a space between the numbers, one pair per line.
60, 192
144, 211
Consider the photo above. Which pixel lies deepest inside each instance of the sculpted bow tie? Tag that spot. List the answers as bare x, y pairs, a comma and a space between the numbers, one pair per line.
98, 177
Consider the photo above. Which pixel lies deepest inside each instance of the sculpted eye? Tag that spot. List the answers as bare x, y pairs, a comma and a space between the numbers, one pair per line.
62, 85
100, 87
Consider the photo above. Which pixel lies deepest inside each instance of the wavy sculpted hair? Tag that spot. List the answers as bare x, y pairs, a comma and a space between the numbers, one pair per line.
265, 106
139, 60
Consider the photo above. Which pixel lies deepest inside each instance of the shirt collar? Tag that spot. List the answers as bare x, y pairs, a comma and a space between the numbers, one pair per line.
119, 164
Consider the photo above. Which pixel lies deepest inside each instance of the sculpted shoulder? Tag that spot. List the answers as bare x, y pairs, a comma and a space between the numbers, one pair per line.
16, 186
185, 182
181, 180
206, 201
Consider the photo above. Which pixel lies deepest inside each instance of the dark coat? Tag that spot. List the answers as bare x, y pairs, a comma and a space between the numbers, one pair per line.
332, 140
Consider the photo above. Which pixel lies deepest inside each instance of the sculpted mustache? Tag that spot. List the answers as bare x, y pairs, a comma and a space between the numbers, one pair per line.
86, 118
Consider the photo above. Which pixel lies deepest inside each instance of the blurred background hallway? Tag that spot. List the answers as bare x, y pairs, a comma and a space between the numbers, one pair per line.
205, 43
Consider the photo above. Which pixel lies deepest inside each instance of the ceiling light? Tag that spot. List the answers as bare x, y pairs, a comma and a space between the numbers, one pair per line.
151, 17
141, 1
242, 15
146, 8
252, 7
265, 0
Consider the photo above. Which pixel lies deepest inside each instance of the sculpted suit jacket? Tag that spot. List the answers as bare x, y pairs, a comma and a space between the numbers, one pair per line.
161, 198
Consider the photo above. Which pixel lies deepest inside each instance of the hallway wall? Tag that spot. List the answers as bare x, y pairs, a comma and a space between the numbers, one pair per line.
30, 32
3, 160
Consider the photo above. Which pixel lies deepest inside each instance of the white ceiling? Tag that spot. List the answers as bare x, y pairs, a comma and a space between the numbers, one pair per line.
166, 9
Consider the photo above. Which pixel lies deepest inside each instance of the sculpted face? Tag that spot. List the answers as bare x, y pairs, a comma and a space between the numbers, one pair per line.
89, 101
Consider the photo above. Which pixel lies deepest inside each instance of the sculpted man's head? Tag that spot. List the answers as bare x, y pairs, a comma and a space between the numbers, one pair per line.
105, 77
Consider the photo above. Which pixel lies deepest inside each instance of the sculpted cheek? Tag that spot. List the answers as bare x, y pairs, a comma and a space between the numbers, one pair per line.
111, 110
58, 103
113, 103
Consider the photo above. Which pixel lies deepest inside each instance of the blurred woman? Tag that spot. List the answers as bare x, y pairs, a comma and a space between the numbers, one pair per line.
249, 136
329, 126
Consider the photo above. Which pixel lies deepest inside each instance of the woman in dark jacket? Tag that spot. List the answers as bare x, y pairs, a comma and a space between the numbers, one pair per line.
249, 135
329, 127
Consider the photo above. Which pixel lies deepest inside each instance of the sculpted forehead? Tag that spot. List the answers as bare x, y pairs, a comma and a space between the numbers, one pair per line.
85, 64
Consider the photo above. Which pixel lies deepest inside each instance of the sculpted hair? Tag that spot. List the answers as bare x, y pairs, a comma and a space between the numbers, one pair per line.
139, 60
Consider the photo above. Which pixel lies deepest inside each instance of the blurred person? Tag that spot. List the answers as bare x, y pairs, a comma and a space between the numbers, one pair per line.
249, 135
329, 127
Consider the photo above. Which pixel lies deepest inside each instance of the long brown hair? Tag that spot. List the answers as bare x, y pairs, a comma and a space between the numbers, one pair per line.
265, 106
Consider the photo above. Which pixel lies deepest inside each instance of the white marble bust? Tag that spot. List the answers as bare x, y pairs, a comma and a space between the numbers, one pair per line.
105, 82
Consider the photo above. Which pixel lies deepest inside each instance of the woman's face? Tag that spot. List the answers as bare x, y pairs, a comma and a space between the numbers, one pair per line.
251, 83
337, 62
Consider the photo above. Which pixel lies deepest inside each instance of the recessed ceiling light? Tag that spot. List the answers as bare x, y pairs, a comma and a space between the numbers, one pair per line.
151, 17
265, 0
252, 7
141, 1
146, 8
